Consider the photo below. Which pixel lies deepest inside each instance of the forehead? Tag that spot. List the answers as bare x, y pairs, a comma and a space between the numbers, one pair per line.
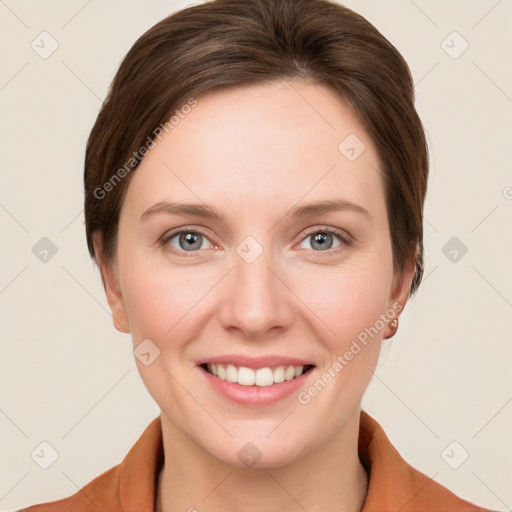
262, 145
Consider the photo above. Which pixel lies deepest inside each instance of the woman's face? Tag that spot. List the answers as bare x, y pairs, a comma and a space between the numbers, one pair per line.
266, 283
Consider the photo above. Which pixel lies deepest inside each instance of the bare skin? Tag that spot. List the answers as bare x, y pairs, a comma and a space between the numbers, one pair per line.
253, 154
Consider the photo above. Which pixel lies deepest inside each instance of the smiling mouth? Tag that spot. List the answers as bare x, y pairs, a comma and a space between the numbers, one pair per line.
259, 377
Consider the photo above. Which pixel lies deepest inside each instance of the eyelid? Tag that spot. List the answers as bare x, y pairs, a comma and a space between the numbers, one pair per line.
329, 229
345, 238
164, 240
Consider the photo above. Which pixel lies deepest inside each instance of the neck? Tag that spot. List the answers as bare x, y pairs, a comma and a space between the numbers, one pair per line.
331, 478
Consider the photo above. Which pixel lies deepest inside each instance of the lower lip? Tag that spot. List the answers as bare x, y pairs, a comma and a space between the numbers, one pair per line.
256, 395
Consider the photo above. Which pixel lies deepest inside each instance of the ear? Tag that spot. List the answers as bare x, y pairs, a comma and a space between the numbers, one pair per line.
400, 291
110, 279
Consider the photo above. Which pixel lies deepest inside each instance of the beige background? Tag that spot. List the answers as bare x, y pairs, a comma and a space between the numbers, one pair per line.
68, 378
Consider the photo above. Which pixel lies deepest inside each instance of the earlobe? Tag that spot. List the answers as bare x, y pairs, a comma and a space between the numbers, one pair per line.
112, 287
400, 292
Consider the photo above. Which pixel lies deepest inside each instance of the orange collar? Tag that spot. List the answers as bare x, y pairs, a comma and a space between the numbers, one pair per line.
393, 486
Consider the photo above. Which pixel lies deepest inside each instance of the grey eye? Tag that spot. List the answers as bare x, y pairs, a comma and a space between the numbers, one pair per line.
322, 241
187, 241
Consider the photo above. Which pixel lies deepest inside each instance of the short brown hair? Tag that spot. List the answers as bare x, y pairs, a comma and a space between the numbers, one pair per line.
228, 43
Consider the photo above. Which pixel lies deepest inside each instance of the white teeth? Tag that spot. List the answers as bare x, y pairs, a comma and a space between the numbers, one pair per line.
221, 371
289, 373
264, 377
231, 373
246, 376
279, 374
261, 377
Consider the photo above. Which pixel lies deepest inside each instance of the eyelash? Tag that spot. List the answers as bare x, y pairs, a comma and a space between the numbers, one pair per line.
345, 239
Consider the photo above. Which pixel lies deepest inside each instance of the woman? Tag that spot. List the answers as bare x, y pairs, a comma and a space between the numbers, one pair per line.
254, 189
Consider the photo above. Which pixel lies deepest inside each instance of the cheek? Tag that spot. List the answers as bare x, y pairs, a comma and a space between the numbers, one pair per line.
160, 302
350, 301
347, 299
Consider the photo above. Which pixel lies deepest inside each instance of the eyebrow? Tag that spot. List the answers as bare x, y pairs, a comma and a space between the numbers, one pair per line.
327, 206
205, 211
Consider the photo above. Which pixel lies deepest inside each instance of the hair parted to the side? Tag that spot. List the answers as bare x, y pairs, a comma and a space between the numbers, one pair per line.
227, 43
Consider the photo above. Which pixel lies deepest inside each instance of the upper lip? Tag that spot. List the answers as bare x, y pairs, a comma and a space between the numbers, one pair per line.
255, 362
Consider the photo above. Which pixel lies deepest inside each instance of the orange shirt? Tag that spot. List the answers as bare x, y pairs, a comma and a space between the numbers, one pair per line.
393, 484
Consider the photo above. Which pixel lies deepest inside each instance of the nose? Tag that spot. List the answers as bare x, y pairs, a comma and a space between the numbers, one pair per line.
256, 299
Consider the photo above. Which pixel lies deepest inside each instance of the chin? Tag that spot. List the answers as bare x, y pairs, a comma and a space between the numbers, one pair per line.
266, 448
260, 456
